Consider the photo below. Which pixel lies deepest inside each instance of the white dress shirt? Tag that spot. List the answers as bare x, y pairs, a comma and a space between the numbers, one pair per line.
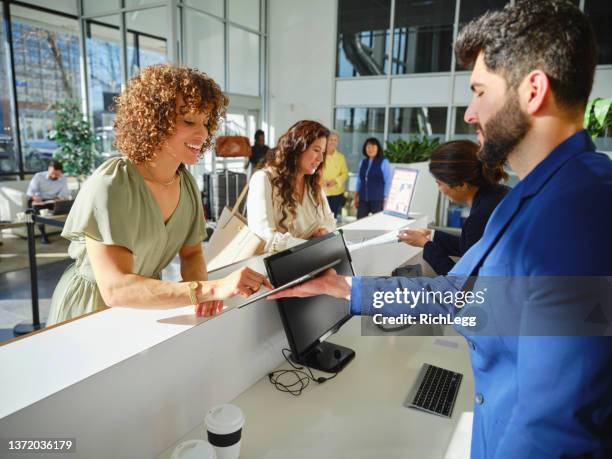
43, 187
264, 213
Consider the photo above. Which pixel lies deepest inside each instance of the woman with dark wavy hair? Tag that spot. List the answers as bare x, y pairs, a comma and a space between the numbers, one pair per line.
138, 211
286, 203
464, 179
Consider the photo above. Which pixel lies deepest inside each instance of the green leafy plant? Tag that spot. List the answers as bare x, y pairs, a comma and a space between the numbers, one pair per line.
416, 149
74, 137
598, 117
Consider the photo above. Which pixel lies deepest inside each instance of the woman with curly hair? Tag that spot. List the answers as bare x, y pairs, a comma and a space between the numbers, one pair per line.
286, 204
137, 211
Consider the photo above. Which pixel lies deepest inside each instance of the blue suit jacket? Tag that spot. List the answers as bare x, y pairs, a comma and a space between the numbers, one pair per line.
536, 396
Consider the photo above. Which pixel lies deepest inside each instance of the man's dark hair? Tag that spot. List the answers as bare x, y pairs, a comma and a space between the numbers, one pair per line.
56, 165
550, 35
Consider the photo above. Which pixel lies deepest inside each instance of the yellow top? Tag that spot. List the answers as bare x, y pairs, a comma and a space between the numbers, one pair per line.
335, 169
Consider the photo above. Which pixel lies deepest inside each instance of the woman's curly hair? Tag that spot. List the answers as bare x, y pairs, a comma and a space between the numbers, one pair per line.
147, 108
283, 161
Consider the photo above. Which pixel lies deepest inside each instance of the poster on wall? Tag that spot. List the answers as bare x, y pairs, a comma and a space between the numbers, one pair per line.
401, 192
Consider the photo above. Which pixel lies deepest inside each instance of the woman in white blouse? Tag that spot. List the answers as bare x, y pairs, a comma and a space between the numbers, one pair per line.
286, 204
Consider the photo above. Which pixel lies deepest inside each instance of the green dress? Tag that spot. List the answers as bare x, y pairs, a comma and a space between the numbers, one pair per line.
116, 207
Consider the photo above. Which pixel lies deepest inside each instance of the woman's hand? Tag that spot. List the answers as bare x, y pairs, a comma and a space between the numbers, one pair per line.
416, 237
245, 282
208, 308
319, 232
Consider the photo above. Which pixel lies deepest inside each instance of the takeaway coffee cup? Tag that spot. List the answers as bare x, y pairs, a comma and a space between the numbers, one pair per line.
224, 429
194, 449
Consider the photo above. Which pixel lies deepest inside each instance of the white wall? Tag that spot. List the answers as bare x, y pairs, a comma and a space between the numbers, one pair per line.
302, 53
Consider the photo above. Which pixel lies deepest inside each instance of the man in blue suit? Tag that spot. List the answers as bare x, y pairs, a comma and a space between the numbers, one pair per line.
536, 396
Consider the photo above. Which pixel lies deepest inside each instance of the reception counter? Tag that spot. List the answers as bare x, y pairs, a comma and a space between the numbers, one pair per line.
131, 383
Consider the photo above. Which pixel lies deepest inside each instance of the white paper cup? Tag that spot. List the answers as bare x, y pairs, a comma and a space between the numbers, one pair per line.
194, 449
224, 430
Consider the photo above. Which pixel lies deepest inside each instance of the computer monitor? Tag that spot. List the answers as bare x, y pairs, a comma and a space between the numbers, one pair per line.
309, 321
401, 192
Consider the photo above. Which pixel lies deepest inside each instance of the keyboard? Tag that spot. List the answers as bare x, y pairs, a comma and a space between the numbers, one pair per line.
435, 390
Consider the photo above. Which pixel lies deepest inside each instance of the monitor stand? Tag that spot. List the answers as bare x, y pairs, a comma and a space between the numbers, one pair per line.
326, 356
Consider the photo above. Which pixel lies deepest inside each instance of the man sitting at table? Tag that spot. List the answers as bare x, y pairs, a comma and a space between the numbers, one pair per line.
47, 185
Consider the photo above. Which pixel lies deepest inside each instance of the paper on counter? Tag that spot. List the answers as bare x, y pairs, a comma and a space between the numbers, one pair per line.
386, 238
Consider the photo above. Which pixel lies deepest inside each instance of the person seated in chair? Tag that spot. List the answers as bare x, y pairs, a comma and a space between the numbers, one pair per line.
47, 185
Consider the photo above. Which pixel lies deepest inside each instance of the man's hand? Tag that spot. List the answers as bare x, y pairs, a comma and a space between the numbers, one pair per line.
328, 283
36, 200
416, 237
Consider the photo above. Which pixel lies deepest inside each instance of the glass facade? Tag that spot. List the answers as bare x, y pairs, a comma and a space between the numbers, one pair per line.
600, 14
428, 121
47, 70
423, 36
354, 126
417, 65
363, 37
104, 77
48, 42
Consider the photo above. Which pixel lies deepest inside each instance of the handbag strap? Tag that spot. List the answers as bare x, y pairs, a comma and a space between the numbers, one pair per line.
236, 207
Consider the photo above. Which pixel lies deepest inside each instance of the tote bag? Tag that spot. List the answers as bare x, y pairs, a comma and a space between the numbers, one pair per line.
232, 241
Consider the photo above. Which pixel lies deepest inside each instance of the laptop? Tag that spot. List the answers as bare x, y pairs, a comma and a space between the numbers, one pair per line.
62, 207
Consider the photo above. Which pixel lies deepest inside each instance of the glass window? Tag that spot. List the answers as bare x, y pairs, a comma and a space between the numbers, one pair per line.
243, 62
354, 126
429, 121
600, 14
423, 36
210, 6
144, 47
363, 37
136, 3
463, 130
472, 9
245, 12
8, 156
47, 70
203, 44
104, 76
96, 6
64, 6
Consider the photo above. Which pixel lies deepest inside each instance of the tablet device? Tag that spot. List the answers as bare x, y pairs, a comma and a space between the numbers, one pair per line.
292, 283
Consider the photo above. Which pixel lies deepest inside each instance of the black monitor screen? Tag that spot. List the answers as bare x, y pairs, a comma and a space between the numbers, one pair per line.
308, 319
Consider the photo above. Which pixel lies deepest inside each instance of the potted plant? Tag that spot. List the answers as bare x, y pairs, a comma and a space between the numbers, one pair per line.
598, 121
74, 137
416, 149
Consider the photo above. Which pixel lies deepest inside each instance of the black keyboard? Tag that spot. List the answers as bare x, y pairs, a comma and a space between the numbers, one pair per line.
435, 390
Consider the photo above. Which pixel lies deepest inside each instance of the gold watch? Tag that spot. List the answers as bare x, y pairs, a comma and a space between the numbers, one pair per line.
193, 290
